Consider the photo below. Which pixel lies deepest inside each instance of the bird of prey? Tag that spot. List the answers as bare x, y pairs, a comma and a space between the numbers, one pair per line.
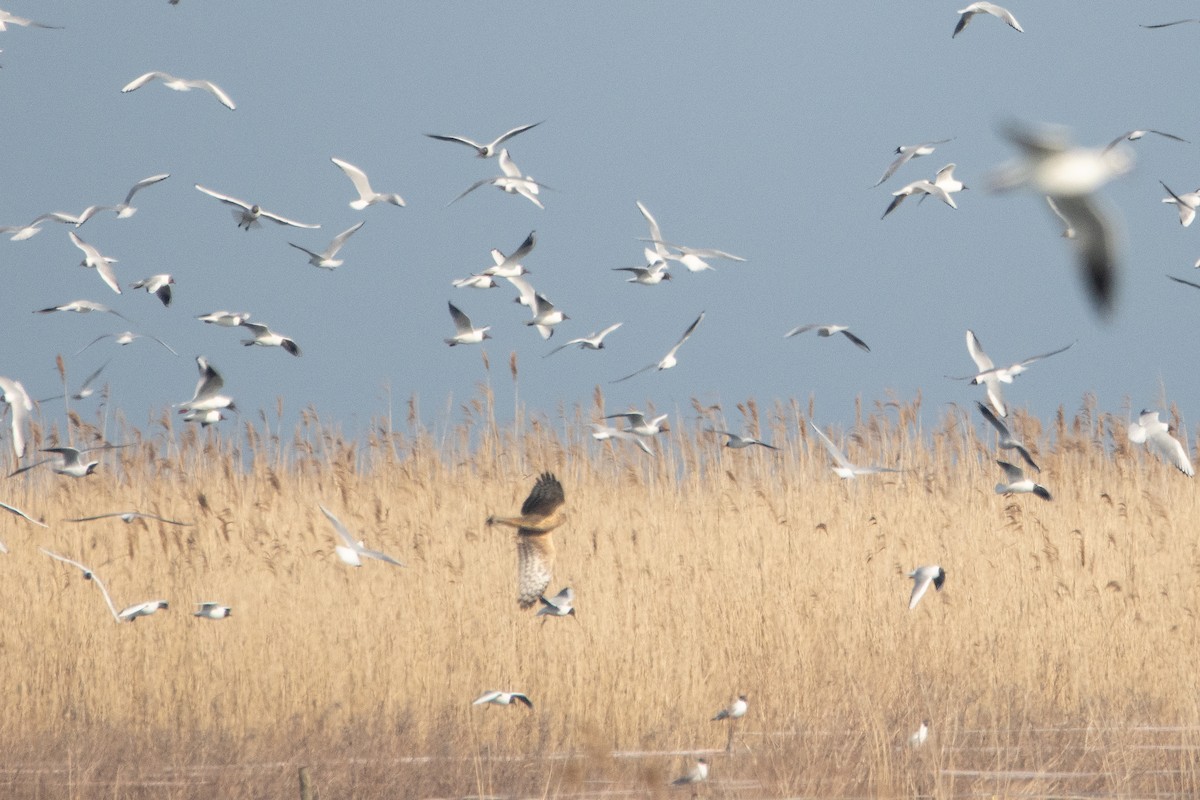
182, 85
484, 150
248, 214
541, 513
1007, 440
1156, 435
844, 468
157, 285
922, 577
985, 8
494, 698
366, 195
1018, 483
829, 330
669, 359
352, 551
594, 341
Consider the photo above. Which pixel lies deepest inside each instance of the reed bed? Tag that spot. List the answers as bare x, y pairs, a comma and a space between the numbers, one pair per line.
1065, 640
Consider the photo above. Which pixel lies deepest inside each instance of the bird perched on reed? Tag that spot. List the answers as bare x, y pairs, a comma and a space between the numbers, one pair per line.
541, 513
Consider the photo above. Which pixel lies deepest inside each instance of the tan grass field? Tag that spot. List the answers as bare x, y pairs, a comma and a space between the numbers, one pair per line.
1066, 630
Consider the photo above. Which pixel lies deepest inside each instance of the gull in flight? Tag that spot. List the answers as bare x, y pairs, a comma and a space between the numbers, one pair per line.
600, 432
1018, 483
541, 513
829, 330
650, 275
738, 442
1186, 203
210, 417
212, 610
1007, 440
843, 468
693, 257
21, 405
93, 259
561, 605
526, 295
907, 152
126, 338
157, 285
85, 390
475, 282
265, 337
226, 319
509, 266
1161, 24
545, 316
985, 8
22, 515
128, 517
921, 578
495, 698
69, 460
638, 424
145, 609
22, 232
128, 614
1156, 435
484, 150
921, 734
924, 188
7, 19
659, 254
81, 307
464, 331
593, 341
326, 260
206, 397
1071, 176
124, 209
511, 182
181, 85
249, 215
353, 551
697, 774
669, 360
992, 376
366, 195
1133, 136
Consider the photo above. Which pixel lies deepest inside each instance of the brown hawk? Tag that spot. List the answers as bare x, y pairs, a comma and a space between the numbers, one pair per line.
541, 513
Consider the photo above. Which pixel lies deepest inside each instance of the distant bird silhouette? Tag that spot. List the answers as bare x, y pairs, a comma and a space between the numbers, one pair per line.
541, 513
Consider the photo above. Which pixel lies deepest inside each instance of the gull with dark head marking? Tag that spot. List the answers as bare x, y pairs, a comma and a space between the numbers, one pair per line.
366, 195
248, 215
206, 397
93, 259
182, 85
131, 613
212, 610
1156, 435
828, 330
512, 181
999, 12
484, 150
496, 698
650, 275
326, 259
226, 319
157, 285
907, 152
697, 774
561, 605
1017, 483
128, 517
600, 432
69, 460
1186, 203
1007, 440
127, 337
510, 266
464, 331
843, 467
352, 551
21, 405
921, 578
593, 341
545, 316
924, 189
81, 307
641, 426
1071, 177
669, 360
737, 442
991, 376
265, 337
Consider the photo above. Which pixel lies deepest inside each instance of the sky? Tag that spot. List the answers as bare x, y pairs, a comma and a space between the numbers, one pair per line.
758, 131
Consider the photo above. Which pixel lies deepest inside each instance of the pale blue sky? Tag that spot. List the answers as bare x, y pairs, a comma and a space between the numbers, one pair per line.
755, 129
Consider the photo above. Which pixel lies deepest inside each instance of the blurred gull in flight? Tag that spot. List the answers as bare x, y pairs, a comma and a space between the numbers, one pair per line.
1017, 483
985, 8
1007, 440
737, 442
484, 150
326, 259
828, 330
843, 468
249, 214
669, 359
593, 341
206, 397
125, 338
545, 316
921, 578
181, 85
69, 460
81, 307
1156, 435
21, 406
366, 195
907, 152
352, 551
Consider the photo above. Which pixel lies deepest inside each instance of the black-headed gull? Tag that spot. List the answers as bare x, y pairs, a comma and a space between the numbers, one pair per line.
593, 341
124, 209
737, 442
641, 426
545, 316
128, 517
352, 551
693, 255
93, 259
735, 710
512, 181
1071, 176
496, 698
843, 467
601, 432
1156, 435
182, 85
1017, 483
81, 307
475, 282
920, 735
206, 397
1186, 204
22, 232
18, 512
985, 8
127, 337
906, 153
21, 405
921, 578
510, 266
1133, 136
131, 613
991, 376
226, 319
69, 460
650, 275
561, 605
669, 360
1007, 440
923, 188
828, 330
326, 259
697, 774
265, 337
250, 214
366, 195
85, 390
157, 285
464, 331
209, 609
209, 417
88, 575
484, 150
7, 19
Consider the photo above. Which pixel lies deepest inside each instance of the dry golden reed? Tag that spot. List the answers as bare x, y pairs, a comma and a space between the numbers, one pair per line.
700, 574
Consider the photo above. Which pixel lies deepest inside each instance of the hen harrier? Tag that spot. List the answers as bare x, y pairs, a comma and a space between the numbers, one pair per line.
541, 513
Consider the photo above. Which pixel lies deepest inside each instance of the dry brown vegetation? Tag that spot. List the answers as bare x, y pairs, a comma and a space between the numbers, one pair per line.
1065, 632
